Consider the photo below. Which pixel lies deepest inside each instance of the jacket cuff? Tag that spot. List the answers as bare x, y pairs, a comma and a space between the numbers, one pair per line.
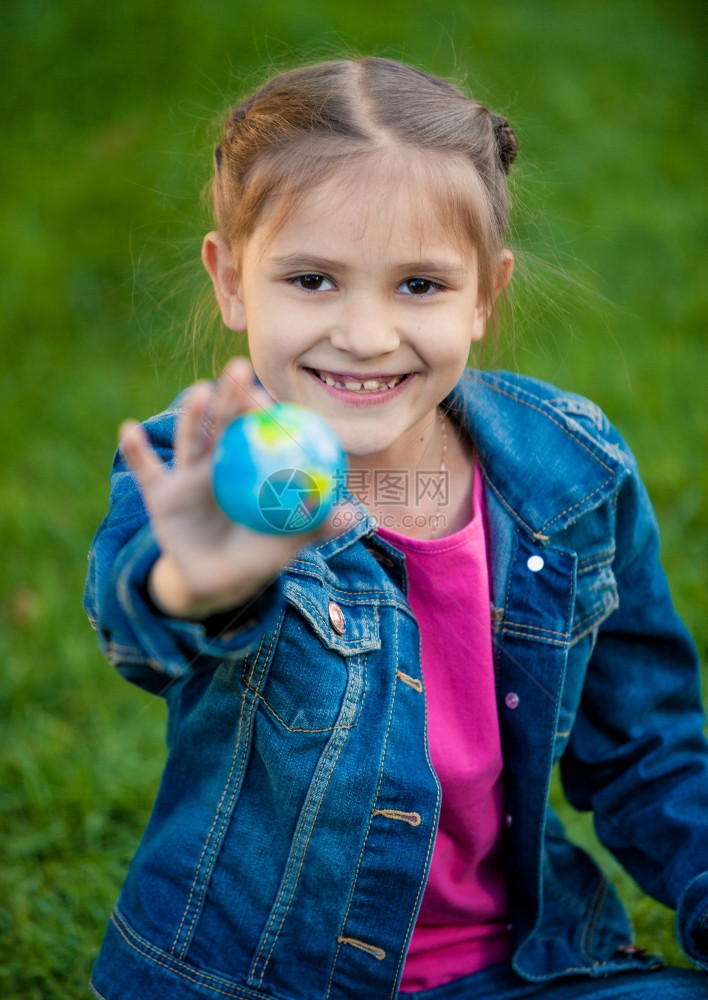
692, 920
167, 644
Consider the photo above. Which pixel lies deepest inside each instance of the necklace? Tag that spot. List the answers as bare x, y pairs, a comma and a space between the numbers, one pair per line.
444, 486
443, 448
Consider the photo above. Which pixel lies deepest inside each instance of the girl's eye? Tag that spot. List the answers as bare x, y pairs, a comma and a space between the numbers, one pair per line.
313, 282
418, 286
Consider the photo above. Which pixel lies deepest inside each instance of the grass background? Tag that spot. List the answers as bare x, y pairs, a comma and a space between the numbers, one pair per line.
107, 115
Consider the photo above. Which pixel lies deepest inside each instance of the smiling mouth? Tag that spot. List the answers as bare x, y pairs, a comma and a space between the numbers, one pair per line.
379, 383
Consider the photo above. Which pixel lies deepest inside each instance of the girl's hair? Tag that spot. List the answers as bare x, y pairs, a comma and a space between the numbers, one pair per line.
303, 126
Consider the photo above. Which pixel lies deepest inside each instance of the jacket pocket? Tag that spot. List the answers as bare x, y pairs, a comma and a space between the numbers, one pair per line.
596, 594
595, 599
320, 635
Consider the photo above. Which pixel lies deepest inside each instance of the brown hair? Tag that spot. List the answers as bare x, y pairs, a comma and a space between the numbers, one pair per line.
302, 126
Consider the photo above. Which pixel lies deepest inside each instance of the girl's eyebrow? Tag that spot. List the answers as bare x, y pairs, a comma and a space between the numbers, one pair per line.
310, 262
306, 262
450, 269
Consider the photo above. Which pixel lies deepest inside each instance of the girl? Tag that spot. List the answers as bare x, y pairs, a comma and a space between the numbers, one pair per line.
363, 723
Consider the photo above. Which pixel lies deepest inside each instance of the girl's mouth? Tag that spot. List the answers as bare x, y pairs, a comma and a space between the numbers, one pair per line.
362, 385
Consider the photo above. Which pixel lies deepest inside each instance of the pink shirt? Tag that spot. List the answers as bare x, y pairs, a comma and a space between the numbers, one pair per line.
462, 924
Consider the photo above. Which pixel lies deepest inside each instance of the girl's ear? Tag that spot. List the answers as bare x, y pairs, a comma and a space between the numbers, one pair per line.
218, 260
504, 271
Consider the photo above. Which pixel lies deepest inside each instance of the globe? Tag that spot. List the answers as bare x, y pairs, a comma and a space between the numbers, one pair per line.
278, 470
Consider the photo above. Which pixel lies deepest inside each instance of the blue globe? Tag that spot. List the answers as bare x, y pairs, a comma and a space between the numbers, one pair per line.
278, 471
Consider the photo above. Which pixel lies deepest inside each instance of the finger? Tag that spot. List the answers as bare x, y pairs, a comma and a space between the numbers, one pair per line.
193, 434
237, 391
137, 451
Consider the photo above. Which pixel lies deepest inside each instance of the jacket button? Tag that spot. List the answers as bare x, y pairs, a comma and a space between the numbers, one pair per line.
535, 563
336, 617
630, 950
511, 700
508, 820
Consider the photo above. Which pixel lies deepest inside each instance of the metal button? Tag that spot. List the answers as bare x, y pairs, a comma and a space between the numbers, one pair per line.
535, 563
508, 820
336, 616
511, 700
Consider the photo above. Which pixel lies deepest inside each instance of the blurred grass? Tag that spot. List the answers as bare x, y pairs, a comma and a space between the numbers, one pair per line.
107, 115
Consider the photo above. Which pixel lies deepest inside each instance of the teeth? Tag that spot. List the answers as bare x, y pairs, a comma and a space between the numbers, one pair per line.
369, 385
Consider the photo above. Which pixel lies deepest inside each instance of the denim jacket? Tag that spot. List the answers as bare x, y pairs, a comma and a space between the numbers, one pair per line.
290, 842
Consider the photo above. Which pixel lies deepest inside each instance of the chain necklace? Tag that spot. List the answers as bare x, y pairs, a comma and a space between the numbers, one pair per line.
444, 493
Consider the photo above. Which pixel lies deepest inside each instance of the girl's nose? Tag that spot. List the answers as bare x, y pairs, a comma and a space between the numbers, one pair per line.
365, 333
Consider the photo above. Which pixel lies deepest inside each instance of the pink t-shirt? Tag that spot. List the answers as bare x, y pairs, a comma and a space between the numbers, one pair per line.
462, 924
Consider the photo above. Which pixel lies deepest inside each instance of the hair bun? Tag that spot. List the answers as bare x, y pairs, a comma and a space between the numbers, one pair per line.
236, 117
507, 143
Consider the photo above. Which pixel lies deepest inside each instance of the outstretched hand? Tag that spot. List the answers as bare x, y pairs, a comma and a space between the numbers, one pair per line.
208, 563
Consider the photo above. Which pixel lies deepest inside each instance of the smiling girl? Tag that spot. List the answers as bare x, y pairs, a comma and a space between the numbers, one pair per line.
363, 722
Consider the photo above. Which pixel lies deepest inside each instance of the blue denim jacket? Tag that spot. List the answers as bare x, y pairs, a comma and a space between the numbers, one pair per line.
289, 846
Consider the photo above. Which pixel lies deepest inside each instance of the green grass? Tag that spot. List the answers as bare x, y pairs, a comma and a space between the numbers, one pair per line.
107, 114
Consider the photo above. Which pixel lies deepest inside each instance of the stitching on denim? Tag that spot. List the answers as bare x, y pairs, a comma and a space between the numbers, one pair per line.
307, 823
530, 628
542, 826
498, 634
412, 682
544, 413
154, 955
386, 596
572, 592
597, 616
240, 756
580, 503
431, 838
116, 653
594, 963
368, 830
317, 614
125, 599
510, 574
580, 443
597, 560
378, 953
412, 818
524, 634
581, 408
596, 905
291, 881
95, 991
290, 729
539, 536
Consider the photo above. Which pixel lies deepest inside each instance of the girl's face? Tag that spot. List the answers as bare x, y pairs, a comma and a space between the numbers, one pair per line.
360, 307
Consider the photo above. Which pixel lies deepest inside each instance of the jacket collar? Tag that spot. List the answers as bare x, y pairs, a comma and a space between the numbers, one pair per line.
543, 465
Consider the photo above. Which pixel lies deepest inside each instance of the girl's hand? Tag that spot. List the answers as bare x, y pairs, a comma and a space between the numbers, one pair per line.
207, 562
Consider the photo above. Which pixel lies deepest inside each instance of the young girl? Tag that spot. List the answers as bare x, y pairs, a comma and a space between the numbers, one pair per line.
363, 722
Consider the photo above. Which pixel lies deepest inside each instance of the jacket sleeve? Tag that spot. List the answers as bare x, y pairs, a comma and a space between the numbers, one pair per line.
147, 647
638, 756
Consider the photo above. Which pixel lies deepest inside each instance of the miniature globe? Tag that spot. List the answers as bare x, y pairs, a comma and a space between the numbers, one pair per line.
278, 471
